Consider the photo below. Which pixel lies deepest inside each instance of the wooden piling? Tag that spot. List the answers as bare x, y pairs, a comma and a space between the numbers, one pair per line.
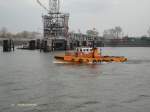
8, 45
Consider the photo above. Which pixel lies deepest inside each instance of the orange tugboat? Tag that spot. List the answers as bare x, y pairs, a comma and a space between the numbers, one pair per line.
88, 55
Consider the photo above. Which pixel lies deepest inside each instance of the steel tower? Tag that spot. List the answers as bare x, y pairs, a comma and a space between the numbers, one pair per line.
54, 6
55, 22
55, 25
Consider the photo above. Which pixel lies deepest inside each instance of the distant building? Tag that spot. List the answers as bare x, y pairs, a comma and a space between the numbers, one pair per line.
79, 39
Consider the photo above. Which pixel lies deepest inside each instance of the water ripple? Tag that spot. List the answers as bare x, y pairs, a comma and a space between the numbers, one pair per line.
136, 99
137, 61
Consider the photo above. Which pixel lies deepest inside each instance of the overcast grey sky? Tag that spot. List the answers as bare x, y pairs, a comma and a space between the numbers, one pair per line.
132, 15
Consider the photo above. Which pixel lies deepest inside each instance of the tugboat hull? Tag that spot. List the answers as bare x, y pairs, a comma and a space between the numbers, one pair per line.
89, 55
72, 59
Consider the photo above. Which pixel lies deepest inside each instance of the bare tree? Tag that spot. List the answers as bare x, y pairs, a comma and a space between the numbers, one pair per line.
109, 34
148, 32
3, 32
24, 34
113, 33
27, 34
9, 35
34, 34
118, 31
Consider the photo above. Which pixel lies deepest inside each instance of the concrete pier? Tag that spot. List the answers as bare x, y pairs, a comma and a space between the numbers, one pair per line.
8, 45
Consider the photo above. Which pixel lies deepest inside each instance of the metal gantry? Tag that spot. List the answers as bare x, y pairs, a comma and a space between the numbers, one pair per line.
55, 25
54, 6
55, 22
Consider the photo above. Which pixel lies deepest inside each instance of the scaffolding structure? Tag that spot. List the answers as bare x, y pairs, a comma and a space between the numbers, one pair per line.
55, 26
55, 23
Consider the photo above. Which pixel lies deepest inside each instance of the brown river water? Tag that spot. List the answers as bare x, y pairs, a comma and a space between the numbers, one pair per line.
31, 82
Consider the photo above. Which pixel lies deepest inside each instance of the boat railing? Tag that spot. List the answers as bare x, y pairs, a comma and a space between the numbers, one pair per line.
69, 53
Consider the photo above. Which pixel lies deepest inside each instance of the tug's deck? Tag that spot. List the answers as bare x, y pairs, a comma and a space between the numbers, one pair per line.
91, 60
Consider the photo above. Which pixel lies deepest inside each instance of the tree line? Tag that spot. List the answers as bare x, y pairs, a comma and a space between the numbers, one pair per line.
4, 33
112, 33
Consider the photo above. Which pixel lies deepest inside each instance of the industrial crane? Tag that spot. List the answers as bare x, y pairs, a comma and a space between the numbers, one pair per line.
54, 6
38, 1
55, 23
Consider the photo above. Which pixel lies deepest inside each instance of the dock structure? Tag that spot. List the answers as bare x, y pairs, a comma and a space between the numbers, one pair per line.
8, 45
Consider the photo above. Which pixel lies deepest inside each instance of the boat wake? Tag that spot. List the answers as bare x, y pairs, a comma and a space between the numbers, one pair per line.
90, 63
59, 62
